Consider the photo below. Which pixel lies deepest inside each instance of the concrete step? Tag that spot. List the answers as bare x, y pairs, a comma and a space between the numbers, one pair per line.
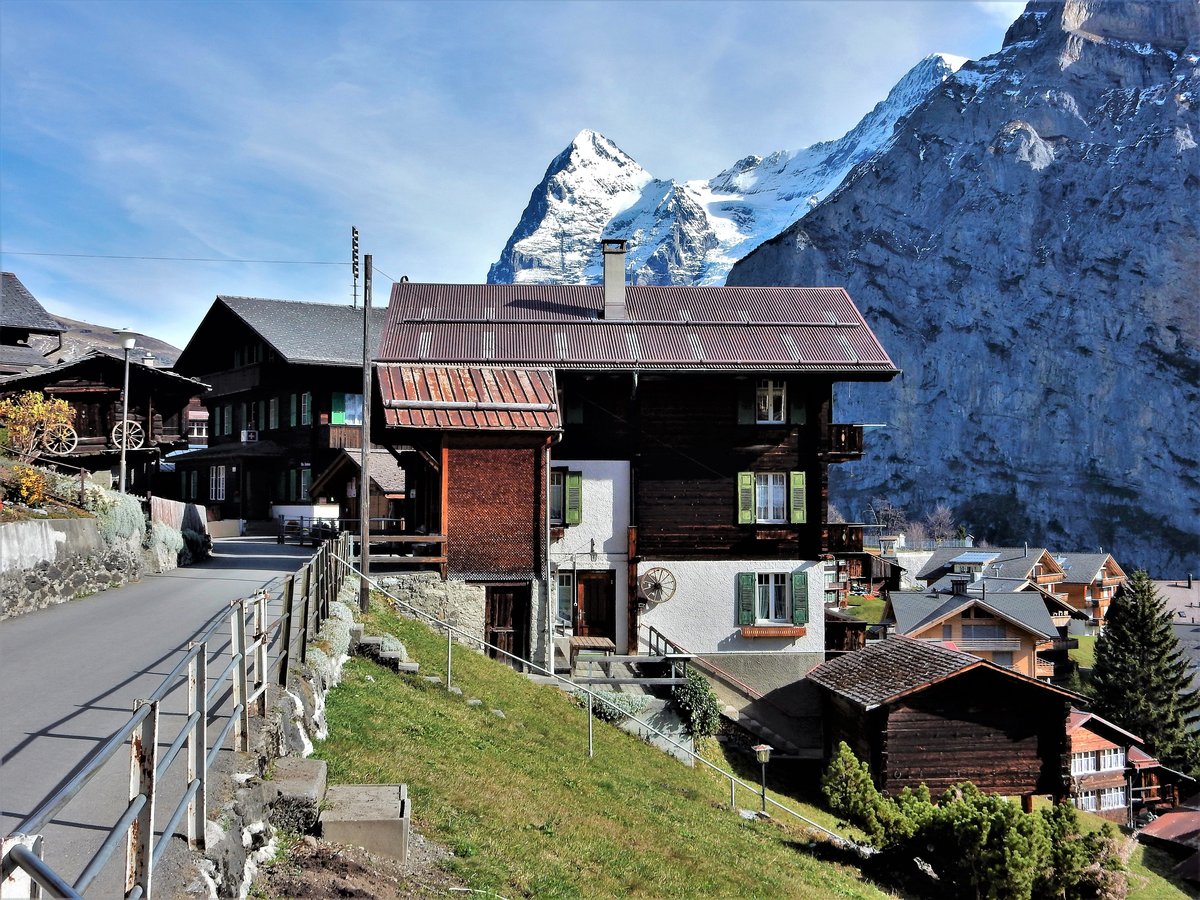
301, 784
376, 817
778, 742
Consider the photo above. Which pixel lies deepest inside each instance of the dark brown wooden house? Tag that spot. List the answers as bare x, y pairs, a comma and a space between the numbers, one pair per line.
922, 713
286, 398
93, 386
22, 317
688, 491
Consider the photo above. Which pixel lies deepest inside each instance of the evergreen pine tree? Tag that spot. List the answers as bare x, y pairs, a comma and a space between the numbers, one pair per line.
1141, 679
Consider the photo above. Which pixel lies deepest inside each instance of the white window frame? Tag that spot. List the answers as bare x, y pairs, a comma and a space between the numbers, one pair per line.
1086, 800
771, 488
1110, 758
216, 482
558, 496
1083, 763
306, 408
566, 592
305, 482
770, 402
1113, 797
772, 598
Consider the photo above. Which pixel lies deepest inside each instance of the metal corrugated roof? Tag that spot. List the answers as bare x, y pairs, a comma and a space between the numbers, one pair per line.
668, 327
489, 398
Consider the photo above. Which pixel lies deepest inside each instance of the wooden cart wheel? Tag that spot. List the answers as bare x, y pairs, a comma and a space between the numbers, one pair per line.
128, 434
59, 440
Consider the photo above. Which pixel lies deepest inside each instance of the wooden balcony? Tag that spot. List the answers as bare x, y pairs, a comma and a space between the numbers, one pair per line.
987, 645
339, 437
845, 443
1044, 669
841, 538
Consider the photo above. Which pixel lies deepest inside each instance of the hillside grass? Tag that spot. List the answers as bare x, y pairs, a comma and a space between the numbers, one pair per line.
869, 609
527, 813
1085, 653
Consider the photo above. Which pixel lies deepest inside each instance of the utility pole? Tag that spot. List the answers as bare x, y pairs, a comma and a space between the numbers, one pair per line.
354, 265
364, 483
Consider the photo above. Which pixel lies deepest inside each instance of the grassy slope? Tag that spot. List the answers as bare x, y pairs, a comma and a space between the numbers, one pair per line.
1085, 654
526, 811
869, 609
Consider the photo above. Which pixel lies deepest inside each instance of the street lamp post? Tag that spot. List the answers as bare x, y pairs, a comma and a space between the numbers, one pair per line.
763, 752
127, 341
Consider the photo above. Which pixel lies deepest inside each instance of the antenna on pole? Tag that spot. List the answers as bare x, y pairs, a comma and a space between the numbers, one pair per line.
354, 262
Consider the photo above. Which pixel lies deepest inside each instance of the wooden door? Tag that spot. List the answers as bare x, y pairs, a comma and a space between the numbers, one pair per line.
508, 610
596, 599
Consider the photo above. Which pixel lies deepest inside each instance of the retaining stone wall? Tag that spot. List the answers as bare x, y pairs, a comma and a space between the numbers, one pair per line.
56, 560
462, 605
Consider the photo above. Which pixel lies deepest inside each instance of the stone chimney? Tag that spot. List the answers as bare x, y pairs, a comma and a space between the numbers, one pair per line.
148, 360
613, 250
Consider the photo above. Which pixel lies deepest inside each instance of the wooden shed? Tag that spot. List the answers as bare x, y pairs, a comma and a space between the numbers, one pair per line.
922, 712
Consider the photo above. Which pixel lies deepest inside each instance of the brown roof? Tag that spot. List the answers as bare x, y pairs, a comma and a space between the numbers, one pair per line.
489, 398
1079, 719
891, 669
696, 328
386, 473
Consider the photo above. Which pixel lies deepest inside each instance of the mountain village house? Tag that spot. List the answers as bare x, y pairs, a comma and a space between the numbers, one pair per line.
620, 463
22, 317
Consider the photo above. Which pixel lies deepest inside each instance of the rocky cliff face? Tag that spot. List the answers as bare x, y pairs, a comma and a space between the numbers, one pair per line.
1028, 250
687, 232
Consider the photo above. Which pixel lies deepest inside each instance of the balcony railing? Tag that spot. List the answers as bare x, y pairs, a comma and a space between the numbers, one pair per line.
987, 645
841, 538
845, 442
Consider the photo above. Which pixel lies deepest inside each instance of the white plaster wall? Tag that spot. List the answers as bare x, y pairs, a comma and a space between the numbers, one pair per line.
23, 545
702, 616
601, 539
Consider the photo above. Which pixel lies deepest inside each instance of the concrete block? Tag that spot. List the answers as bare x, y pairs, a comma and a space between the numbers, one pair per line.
396, 661
301, 784
375, 817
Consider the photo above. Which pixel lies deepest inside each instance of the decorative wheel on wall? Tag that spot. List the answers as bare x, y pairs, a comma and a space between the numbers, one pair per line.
657, 585
60, 439
128, 434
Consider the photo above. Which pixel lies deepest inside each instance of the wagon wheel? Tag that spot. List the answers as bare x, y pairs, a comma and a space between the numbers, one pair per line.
128, 434
60, 439
658, 585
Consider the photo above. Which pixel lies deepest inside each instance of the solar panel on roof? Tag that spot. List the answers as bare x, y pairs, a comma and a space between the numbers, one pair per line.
973, 556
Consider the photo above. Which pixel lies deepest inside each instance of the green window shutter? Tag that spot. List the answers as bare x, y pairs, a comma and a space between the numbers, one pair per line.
745, 401
798, 496
799, 598
746, 589
337, 410
797, 408
745, 489
573, 514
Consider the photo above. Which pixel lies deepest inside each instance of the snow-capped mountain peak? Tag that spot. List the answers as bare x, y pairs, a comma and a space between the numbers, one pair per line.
687, 232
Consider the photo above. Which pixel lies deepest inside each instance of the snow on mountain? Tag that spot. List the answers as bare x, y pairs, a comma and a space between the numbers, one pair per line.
687, 232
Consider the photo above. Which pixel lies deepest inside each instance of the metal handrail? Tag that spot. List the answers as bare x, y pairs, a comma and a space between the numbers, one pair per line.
135, 826
734, 781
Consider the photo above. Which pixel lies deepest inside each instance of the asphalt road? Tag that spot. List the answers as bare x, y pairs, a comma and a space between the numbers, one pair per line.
69, 676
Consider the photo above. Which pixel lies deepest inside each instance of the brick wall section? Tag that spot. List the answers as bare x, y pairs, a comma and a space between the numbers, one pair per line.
494, 505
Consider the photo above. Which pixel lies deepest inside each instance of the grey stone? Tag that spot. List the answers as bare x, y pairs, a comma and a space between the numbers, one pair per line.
301, 784
499, 714
474, 701
455, 689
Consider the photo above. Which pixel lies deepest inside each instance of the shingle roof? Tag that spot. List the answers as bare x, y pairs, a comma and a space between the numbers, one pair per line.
18, 358
1082, 568
487, 398
914, 611
386, 473
694, 328
1009, 562
313, 333
20, 309
890, 669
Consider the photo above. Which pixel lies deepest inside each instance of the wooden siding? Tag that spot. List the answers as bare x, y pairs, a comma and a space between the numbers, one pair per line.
981, 727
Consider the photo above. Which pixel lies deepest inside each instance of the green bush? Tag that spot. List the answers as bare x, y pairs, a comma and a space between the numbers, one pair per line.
698, 705
197, 545
619, 706
120, 516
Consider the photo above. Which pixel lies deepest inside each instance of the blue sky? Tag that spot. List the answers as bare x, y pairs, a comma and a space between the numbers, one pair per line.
264, 130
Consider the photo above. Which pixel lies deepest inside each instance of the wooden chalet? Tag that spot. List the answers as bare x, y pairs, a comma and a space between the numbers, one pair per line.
919, 712
1035, 565
286, 399
1090, 582
93, 385
1112, 775
1013, 629
22, 318
637, 456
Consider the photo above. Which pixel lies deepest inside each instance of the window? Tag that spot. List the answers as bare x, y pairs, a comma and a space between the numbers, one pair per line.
772, 597
273, 412
770, 402
1083, 763
243, 417
566, 497
216, 482
980, 632
1112, 758
772, 498
260, 418
1086, 800
1112, 798
765, 597
197, 429
306, 408
566, 597
305, 481
1003, 658
292, 413
947, 631
228, 410
346, 409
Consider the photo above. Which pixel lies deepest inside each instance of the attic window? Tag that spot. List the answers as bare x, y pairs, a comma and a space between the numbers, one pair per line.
697, 349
